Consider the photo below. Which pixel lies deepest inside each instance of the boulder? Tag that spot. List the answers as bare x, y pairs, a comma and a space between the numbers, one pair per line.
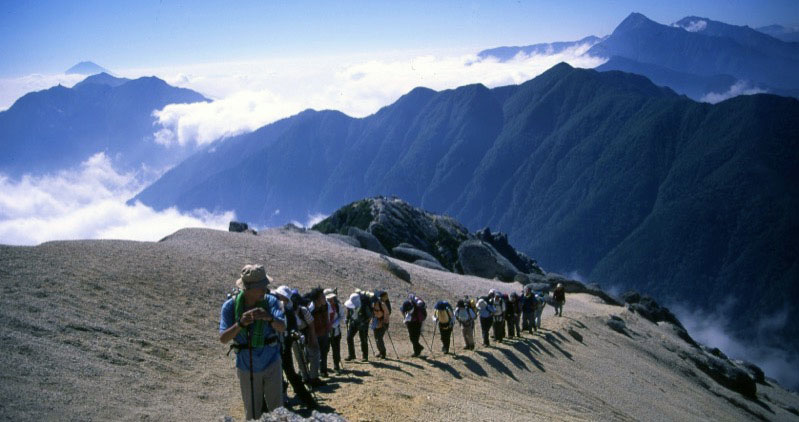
481, 259
367, 240
500, 242
430, 264
723, 371
539, 287
346, 239
631, 297
395, 269
281, 414
617, 324
412, 254
239, 227
754, 371
648, 308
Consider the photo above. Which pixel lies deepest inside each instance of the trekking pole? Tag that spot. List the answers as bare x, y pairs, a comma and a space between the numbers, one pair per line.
369, 339
392, 343
432, 352
421, 333
252, 382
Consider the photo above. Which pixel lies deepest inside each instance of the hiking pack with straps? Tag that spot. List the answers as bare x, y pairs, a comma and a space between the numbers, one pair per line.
444, 312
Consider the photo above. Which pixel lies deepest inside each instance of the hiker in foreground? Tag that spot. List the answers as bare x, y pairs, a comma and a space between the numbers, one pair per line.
253, 319
359, 314
499, 316
465, 317
445, 318
415, 313
559, 296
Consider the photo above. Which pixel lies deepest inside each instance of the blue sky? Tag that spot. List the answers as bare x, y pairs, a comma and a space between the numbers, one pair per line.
51, 36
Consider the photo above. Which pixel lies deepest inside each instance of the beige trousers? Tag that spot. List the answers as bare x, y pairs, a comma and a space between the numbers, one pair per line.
268, 387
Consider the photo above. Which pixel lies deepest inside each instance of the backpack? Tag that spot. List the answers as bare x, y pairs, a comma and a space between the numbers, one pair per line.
365, 312
444, 318
421, 308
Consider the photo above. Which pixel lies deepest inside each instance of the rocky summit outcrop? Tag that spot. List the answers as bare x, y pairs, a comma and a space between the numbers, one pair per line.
239, 227
391, 226
500, 242
481, 259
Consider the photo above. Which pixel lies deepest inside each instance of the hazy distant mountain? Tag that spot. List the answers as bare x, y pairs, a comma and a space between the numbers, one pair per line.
694, 86
507, 53
60, 127
86, 68
705, 48
602, 173
781, 32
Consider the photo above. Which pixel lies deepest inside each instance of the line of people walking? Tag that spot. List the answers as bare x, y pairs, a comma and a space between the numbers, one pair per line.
279, 329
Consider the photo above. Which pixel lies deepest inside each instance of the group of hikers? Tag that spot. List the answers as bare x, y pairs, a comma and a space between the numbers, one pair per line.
270, 329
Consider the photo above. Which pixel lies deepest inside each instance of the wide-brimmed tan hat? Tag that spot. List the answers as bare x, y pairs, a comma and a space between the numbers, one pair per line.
253, 276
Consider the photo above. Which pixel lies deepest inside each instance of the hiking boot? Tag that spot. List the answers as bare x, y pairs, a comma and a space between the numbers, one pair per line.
324, 374
365, 359
337, 369
382, 356
316, 382
349, 358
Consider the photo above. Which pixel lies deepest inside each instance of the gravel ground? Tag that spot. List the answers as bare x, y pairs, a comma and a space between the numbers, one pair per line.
121, 330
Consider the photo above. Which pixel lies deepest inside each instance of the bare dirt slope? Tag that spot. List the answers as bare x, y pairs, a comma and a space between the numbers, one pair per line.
120, 330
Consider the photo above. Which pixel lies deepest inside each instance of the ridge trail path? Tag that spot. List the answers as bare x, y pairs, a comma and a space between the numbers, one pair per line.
122, 330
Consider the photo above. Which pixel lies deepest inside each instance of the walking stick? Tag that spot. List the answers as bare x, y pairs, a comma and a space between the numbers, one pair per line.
392, 343
421, 333
369, 339
433, 352
252, 383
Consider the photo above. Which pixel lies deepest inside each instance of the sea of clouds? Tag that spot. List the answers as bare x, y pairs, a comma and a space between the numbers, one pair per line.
88, 202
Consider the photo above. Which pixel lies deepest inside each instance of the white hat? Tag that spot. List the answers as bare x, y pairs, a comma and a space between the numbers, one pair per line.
284, 291
353, 302
329, 293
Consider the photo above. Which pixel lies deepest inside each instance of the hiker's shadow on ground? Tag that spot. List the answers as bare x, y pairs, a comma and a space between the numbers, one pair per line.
444, 367
539, 347
383, 365
524, 348
411, 364
552, 340
472, 365
497, 364
518, 363
306, 412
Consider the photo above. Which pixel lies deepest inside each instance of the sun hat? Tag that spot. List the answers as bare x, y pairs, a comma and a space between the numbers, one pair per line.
354, 301
330, 293
253, 276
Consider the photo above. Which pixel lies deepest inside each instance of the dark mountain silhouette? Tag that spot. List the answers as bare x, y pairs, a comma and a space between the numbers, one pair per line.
603, 173
507, 53
86, 68
781, 32
703, 48
60, 127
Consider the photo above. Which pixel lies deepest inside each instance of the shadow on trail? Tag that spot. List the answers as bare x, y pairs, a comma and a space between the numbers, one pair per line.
472, 365
497, 364
552, 340
383, 365
306, 412
537, 344
561, 336
444, 367
518, 363
524, 348
406, 361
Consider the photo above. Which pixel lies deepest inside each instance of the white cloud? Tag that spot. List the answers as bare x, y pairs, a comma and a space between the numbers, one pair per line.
252, 94
695, 26
738, 88
88, 203
715, 329
13, 88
